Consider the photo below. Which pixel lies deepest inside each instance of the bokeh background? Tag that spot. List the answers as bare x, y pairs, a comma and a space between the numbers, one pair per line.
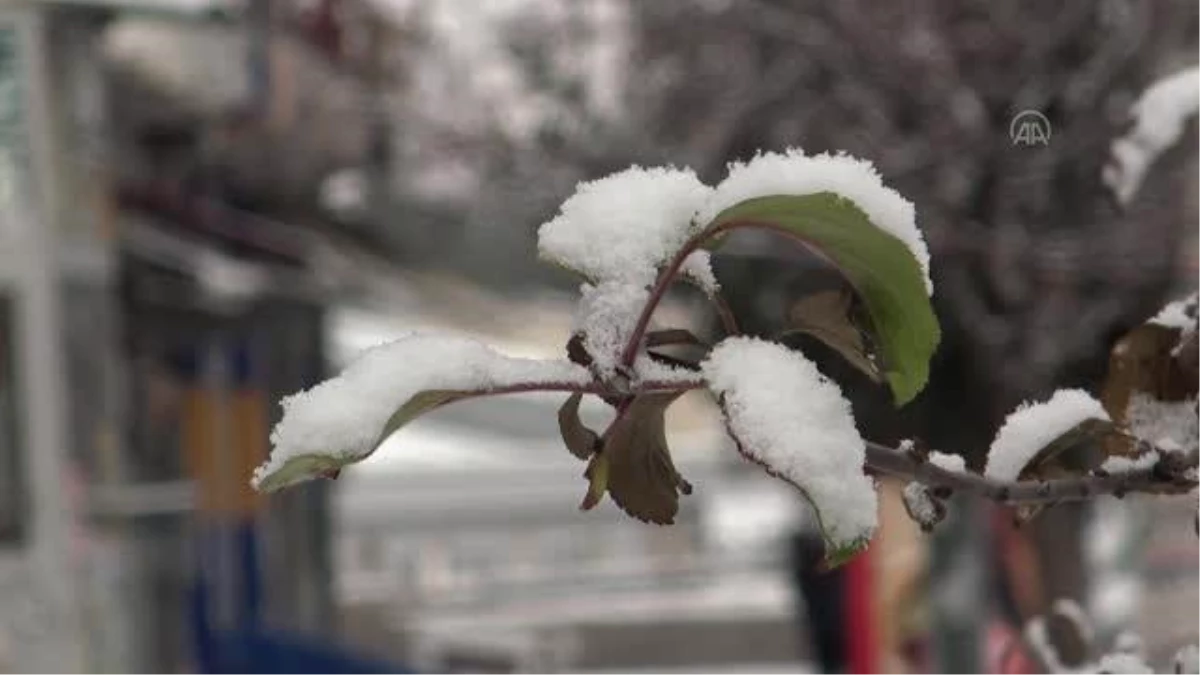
208, 204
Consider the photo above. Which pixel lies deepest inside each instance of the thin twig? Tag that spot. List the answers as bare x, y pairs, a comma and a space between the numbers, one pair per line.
629, 353
663, 282
1168, 476
725, 313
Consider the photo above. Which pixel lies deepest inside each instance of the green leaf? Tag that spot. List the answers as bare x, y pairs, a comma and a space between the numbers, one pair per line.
304, 467
825, 315
635, 462
884, 273
837, 552
836, 556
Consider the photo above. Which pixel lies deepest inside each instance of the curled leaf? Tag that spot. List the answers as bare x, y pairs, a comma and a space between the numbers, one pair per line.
1076, 452
640, 475
1141, 362
676, 347
597, 477
580, 440
1151, 385
826, 316
1070, 632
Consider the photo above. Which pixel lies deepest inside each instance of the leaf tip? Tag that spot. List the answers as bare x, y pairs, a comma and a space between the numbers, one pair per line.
837, 555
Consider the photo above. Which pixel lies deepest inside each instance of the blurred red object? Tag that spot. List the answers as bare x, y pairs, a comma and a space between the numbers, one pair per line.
1005, 651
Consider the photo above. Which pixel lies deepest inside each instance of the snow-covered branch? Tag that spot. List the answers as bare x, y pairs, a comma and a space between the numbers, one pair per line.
1159, 119
630, 236
1171, 474
1064, 641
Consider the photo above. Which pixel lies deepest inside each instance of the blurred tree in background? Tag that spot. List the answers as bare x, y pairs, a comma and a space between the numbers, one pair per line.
1037, 269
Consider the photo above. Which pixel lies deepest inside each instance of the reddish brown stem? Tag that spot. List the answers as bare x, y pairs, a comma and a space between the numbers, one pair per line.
629, 353
725, 313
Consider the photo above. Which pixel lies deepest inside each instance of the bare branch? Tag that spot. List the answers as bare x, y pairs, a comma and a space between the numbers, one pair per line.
1173, 474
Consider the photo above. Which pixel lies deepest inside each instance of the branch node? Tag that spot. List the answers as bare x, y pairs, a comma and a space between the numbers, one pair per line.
916, 449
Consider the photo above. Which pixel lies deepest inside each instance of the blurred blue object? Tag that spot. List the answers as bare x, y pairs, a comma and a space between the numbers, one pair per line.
248, 647
255, 651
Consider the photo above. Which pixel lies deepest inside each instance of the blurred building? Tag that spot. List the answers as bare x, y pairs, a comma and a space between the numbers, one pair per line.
164, 273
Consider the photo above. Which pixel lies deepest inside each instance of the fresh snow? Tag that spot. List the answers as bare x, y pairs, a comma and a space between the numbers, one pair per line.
1038, 638
1171, 425
1126, 656
1118, 464
796, 422
1070, 609
794, 173
1032, 426
948, 462
647, 369
1129, 642
1187, 660
1123, 663
624, 226
345, 415
1159, 119
618, 231
920, 505
605, 316
1178, 314
698, 267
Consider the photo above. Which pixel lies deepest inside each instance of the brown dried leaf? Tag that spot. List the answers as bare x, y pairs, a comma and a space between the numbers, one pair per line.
826, 316
1074, 453
1077, 452
1070, 639
580, 440
642, 478
1143, 362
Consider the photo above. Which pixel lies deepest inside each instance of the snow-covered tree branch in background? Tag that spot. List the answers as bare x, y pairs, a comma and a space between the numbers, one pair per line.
1064, 641
1158, 121
634, 234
